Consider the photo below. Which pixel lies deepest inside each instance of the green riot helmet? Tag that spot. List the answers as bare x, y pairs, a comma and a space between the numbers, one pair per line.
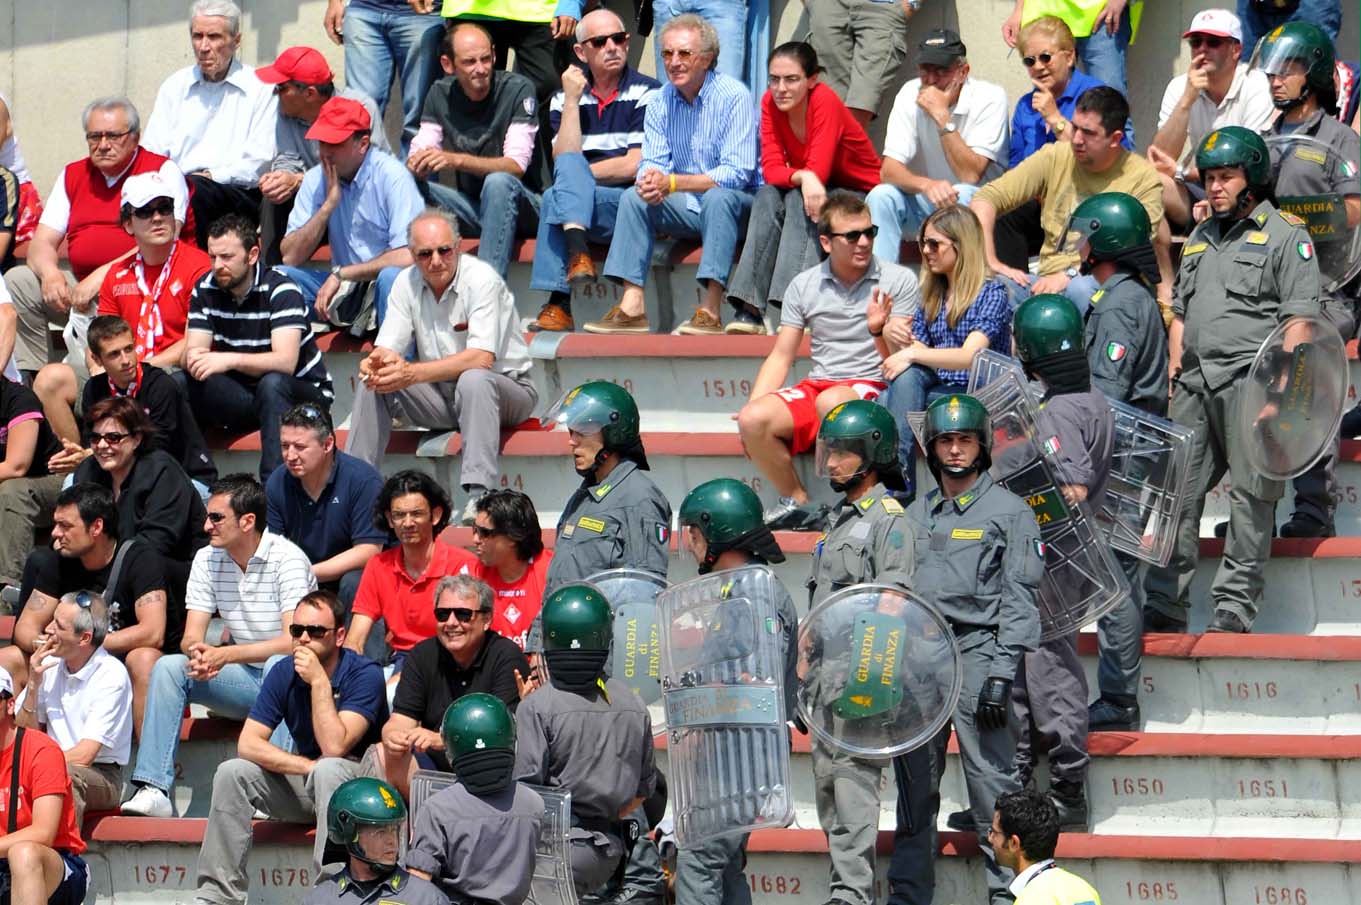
1305, 45
360, 803
867, 430
578, 627
1235, 146
958, 413
479, 740
727, 514
603, 408
1107, 227
1048, 332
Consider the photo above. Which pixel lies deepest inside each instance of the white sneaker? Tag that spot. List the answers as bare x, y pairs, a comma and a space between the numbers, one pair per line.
149, 801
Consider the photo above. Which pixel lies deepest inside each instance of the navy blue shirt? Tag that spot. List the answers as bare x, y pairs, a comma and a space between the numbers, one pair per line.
336, 521
357, 686
612, 129
1029, 132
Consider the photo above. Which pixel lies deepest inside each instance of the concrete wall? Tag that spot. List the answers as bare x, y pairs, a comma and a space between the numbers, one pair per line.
55, 56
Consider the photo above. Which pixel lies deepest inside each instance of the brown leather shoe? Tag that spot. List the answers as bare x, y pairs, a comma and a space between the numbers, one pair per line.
616, 321
580, 268
702, 323
552, 319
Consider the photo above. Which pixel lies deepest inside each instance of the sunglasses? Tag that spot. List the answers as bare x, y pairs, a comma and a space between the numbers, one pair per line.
619, 37
164, 206
1043, 58
315, 632
853, 235
217, 518
677, 54
461, 613
113, 438
96, 138
83, 599
479, 531
443, 251
1213, 43
935, 245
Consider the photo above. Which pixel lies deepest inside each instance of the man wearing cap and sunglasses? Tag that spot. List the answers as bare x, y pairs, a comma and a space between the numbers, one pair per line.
332, 702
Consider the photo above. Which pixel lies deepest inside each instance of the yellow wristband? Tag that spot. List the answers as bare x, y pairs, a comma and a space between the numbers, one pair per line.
673, 183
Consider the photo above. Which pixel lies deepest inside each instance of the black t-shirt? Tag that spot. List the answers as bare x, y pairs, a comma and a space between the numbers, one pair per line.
141, 573
479, 127
432, 680
176, 430
17, 405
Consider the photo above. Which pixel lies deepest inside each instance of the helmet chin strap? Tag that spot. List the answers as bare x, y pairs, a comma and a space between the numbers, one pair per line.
1242, 206
1290, 103
589, 473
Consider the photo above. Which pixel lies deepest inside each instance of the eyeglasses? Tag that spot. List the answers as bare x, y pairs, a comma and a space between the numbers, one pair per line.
95, 138
315, 632
677, 54
426, 254
217, 518
619, 37
163, 206
854, 235
461, 613
113, 438
1043, 58
1210, 41
479, 531
935, 245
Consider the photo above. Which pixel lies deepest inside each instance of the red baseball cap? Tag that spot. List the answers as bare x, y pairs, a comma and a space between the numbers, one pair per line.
339, 118
297, 64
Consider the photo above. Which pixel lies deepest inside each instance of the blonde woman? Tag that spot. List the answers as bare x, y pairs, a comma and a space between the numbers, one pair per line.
963, 311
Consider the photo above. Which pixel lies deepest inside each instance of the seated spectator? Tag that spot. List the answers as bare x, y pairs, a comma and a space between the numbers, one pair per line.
963, 311
830, 301
249, 352
695, 181
113, 349
470, 372
538, 32
1217, 90
323, 500
84, 210
946, 136
156, 501
810, 144
463, 657
367, 247
1100, 33
1262, 16
859, 43
30, 206
511, 559
41, 858
728, 19
215, 119
480, 126
145, 620
398, 583
1055, 178
151, 289
81, 697
331, 701
27, 487
597, 146
252, 579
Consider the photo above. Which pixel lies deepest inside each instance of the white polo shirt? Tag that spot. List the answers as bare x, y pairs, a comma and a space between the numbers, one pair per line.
1247, 104
980, 115
93, 703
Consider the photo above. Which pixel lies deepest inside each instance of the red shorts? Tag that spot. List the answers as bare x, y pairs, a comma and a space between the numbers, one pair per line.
801, 400
30, 211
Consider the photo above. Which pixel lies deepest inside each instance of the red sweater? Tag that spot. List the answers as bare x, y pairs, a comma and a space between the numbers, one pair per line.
838, 150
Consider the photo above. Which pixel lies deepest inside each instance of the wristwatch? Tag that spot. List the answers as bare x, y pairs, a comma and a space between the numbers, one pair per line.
335, 272
948, 128
1060, 127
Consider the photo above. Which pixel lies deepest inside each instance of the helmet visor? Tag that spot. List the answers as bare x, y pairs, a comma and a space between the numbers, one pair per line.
693, 544
380, 844
577, 412
843, 458
1077, 237
1280, 57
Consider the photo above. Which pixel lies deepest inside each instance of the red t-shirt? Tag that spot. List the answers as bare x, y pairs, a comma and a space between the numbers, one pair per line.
121, 293
407, 607
838, 150
42, 771
518, 602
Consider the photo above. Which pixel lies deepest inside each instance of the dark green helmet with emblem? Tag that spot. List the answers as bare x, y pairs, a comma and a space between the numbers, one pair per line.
604, 408
577, 617
1109, 223
1304, 43
728, 515
1235, 146
1046, 325
477, 722
866, 429
359, 803
958, 413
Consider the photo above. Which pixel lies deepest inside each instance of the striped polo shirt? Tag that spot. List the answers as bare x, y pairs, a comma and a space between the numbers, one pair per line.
610, 125
273, 303
714, 136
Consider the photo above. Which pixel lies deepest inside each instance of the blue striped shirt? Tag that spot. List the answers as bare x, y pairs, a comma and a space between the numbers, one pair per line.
715, 136
610, 130
990, 314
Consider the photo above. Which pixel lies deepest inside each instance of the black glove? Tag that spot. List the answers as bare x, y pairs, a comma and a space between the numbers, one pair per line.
993, 703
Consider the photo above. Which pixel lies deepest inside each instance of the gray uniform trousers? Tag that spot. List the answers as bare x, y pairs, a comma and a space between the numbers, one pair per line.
1121, 636
1049, 704
1217, 448
847, 794
241, 787
478, 405
711, 874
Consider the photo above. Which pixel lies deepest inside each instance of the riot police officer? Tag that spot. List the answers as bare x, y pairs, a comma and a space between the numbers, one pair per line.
979, 561
477, 837
1127, 356
365, 817
722, 527
1243, 270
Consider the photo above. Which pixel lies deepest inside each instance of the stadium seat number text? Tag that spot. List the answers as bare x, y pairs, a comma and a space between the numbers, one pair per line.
1151, 892
777, 885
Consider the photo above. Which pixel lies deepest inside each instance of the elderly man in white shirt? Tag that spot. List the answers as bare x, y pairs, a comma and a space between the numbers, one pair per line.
215, 119
471, 370
81, 696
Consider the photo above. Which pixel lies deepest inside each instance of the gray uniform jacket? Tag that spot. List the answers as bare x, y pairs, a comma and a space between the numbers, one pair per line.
1237, 281
398, 889
479, 848
868, 541
1080, 432
1127, 343
296, 153
980, 561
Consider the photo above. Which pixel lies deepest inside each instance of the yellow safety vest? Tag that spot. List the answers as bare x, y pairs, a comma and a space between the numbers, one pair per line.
514, 10
1079, 15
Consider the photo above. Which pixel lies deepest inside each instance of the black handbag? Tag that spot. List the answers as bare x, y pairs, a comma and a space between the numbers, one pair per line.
11, 824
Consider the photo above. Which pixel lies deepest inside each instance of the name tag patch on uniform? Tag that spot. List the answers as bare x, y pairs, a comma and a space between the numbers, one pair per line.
568, 529
1311, 155
892, 505
1195, 249
1257, 237
967, 534
1305, 250
1115, 351
591, 524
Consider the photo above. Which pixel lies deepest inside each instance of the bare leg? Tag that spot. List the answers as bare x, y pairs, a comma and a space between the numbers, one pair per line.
35, 871
766, 428
632, 301
713, 298
15, 663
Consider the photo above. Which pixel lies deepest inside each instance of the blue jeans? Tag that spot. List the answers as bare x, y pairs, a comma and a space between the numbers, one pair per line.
729, 19
573, 198
1103, 55
230, 693
377, 44
309, 282
505, 209
1079, 291
912, 391
236, 403
1326, 14
896, 212
721, 218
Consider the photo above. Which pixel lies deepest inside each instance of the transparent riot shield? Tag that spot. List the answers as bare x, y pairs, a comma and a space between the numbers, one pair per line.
878, 670
1291, 402
1150, 470
723, 688
636, 655
1303, 159
552, 883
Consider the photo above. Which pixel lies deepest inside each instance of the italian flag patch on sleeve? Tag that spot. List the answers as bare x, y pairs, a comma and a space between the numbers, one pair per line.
1305, 249
1115, 351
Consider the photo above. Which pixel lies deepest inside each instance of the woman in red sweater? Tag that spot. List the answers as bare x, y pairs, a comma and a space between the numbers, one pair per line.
810, 144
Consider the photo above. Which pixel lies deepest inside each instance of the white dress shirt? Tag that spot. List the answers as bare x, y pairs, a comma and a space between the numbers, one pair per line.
92, 703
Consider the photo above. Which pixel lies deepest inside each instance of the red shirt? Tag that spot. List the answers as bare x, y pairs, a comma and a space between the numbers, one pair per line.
518, 602
42, 771
405, 605
838, 150
122, 294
